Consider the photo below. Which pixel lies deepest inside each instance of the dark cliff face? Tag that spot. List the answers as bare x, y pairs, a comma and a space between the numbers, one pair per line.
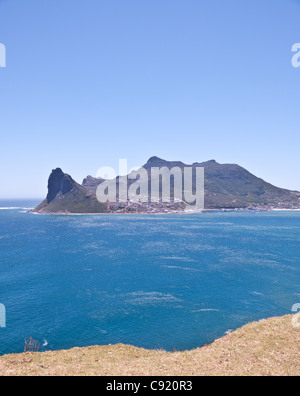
59, 182
67, 196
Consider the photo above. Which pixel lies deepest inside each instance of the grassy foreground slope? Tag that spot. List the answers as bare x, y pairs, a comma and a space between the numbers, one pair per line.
269, 347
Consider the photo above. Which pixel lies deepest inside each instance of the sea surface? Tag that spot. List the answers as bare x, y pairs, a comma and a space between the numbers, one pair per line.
174, 282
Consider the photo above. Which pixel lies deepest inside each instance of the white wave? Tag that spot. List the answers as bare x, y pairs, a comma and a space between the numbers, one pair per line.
143, 298
181, 268
186, 259
15, 208
207, 310
11, 208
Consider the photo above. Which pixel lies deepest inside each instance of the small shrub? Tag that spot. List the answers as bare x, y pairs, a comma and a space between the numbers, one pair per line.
31, 345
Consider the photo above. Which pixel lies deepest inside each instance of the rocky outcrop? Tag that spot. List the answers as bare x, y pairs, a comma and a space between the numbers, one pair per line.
92, 183
65, 195
59, 183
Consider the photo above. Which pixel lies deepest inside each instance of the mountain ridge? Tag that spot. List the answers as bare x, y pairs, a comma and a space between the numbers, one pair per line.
227, 186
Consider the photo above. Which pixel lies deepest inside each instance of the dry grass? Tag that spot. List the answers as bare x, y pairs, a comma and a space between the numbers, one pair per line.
269, 347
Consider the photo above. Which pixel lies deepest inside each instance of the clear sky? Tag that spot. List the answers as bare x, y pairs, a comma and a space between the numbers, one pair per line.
89, 82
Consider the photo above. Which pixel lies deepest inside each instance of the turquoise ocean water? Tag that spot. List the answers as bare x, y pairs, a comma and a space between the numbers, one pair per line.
167, 281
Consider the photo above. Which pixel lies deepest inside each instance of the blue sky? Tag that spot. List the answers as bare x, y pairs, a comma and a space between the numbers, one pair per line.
89, 82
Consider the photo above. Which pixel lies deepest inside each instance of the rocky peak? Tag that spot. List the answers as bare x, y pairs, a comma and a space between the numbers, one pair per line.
155, 159
159, 162
91, 183
59, 182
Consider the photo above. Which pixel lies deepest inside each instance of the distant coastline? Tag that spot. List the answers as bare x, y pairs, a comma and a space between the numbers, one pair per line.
250, 210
